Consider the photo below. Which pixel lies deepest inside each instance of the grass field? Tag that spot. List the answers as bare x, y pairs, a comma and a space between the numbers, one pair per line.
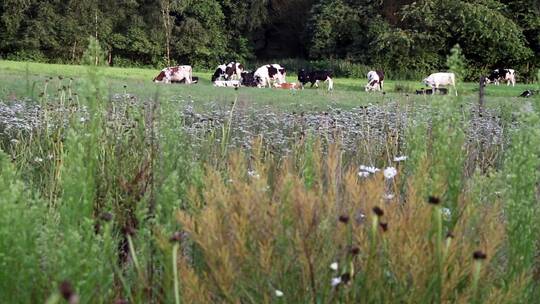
214, 195
27, 79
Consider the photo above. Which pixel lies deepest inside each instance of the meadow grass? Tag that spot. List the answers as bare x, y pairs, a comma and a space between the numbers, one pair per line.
119, 205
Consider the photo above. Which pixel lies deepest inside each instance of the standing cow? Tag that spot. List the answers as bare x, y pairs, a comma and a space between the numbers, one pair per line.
270, 73
375, 81
498, 75
314, 77
436, 80
219, 73
175, 74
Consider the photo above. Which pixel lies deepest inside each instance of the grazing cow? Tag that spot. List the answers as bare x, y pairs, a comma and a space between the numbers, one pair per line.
287, 85
248, 79
436, 80
375, 81
442, 91
270, 73
498, 75
234, 70
227, 83
194, 79
175, 74
314, 77
529, 93
219, 73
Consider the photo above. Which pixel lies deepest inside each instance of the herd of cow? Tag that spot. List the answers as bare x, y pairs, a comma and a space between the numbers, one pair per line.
274, 76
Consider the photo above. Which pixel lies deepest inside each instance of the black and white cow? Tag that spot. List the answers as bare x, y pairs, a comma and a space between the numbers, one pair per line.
219, 73
269, 74
175, 74
315, 76
498, 75
231, 71
375, 81
234, 70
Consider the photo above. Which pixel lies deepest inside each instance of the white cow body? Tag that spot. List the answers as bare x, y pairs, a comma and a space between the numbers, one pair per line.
175, 74
437, 80
268, 74
227, 83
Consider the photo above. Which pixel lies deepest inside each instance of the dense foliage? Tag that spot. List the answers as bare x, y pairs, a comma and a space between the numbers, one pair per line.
402, 36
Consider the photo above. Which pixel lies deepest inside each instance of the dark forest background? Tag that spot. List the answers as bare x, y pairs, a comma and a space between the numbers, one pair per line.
397, 35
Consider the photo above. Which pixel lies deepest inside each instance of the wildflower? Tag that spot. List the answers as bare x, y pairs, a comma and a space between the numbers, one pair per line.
446, 213
38, 159
400, 158
434, 200
279, 293
363, 174
66, 290
390, 172
335, 281
253, 174
346, 277
389, 196
106, 216
14, 141
176, 237
369, 169
334, 266
355, 251
82, 119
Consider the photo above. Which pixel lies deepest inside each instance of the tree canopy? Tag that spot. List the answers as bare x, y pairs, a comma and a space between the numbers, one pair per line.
395, 35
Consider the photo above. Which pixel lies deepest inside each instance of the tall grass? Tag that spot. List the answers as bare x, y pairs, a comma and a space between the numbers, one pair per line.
126, 209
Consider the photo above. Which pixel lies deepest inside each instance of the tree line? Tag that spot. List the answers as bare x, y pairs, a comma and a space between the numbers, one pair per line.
399, 36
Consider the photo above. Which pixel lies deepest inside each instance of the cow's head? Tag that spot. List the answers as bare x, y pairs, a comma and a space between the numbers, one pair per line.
303, 77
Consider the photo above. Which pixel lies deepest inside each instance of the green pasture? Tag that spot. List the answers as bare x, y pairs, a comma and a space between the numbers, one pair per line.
24, 79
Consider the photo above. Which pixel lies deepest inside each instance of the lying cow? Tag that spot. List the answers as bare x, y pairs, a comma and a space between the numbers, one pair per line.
375, 81
248, 79
529, 93
175, 74
314, 77
436, 80
269, 74
227, 83
287, 86
498, 75
233, 70
441, 91
219, 73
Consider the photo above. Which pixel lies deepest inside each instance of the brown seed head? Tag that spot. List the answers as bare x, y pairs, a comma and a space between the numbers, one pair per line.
354, 251
378, 211
479, 255
106, 216
450, 235
66, 290
344, 219
176, 237
345, 278
434, 200
384, 226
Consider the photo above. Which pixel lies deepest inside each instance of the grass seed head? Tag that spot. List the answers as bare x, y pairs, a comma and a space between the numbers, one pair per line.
479, 255
378, 211
344, 219
433, 200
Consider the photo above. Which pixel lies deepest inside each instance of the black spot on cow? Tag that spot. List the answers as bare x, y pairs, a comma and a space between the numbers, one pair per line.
271, 71
217, 74
194, 80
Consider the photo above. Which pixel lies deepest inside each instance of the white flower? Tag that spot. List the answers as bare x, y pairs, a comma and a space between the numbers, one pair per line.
390, 172
279, 293
253, 173
369, 169
400, 158
389, 196
446, 213
336, 281
38, 159
82, 119
14, 141
363, 174
334, 266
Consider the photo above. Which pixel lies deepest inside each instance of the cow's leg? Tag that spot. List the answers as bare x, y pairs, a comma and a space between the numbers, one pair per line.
330, 83
381, 85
